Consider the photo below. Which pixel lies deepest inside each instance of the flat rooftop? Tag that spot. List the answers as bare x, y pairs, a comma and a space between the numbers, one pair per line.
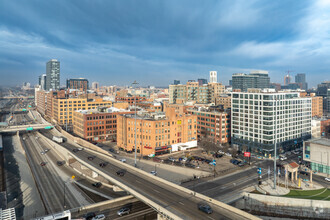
321, 141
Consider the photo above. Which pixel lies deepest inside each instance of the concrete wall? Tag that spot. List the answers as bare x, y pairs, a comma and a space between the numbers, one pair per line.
284, 207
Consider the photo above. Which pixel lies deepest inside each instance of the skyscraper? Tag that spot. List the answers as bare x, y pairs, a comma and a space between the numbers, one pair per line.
53, 75
287, 79
256, 79
202, 81
300, 78
213, 76
95, 85
42, 81
176, 82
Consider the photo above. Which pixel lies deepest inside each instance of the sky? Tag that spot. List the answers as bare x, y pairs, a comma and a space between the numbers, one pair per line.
154, 42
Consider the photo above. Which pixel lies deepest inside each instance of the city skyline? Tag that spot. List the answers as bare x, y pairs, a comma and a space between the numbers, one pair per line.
117, 43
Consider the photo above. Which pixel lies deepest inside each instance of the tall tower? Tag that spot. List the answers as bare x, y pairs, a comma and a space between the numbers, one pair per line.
213, 76
287, 79
53, 75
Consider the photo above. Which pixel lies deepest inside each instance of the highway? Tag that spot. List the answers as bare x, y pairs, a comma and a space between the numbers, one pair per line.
178, 202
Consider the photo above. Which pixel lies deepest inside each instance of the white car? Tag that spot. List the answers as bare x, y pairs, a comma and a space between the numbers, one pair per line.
327, 179
123, 160
228, 154
99, 217
154, 173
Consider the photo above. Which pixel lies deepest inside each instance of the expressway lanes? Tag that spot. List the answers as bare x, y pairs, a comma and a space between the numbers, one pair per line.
138, 210
180, 203
51, 186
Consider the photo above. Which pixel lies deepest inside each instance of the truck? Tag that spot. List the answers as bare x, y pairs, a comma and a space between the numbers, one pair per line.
58, 139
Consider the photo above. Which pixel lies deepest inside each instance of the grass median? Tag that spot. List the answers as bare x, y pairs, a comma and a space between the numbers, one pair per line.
319, 194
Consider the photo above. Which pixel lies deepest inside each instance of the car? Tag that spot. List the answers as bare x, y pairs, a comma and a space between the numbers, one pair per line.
171, 159
228, 154
123, 211
205, 208
154, 173
190, 165
90, 157
46, 150
90, 215
327, 179
123, 160
97, 184
111, 150
43, 164
59, 163
99, 217
103, 164
75, 150
42, 152
121, 172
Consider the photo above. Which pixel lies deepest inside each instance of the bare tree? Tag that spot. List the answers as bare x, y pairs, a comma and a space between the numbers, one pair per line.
208, 145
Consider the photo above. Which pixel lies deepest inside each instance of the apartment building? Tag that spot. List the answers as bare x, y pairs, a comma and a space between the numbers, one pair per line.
63, 108
97, 125
192, 91
262, 119
317, 152
224, 100
317, 104
212, 123
157, 133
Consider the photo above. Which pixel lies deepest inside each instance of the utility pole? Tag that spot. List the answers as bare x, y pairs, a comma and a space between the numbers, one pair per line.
134, 84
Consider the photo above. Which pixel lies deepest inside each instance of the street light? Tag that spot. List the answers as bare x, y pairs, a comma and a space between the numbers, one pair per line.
134, 84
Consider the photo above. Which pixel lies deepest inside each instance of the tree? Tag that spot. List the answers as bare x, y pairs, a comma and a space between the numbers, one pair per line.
208, 145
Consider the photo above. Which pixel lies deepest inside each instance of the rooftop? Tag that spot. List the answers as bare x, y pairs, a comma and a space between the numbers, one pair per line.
321, 141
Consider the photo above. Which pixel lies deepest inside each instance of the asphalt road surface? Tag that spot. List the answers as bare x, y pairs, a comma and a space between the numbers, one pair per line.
182, 204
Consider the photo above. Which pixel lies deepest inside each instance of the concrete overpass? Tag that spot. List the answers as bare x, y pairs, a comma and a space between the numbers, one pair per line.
32, 127
170, 200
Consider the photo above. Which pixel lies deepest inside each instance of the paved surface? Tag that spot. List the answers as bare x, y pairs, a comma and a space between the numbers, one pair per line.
178, 202
22, 193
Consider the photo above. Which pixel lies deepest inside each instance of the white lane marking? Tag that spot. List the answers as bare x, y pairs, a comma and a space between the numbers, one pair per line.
137, 181
156, 191
210, 217
181, 203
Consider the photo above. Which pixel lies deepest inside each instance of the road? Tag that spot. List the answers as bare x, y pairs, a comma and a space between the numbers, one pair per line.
180, 203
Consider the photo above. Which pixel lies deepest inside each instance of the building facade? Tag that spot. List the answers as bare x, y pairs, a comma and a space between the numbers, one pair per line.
97, 125
213, 77
80, 84
317, 152
256, 79
130, 99
212, 123
300, 78
157, 133
53, 75
202, 81
192, 91
262, 119
224, 100
63, 108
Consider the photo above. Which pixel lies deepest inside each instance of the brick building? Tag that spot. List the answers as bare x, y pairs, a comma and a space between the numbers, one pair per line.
150, 106
130, 99
224, 100
213, 123
97, 125
157, 133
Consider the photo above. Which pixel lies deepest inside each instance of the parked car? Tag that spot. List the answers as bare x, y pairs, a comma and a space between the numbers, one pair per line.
190, 165
228, 154
97, 184
205, 208
123, 211
99, 217
121, 172
171, 159
327, 179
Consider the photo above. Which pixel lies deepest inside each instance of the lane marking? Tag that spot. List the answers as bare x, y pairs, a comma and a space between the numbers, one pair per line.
156, 191
137, 181
181, 203
210, 217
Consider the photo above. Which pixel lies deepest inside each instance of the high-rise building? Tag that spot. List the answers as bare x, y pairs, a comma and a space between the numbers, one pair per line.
213, 77
95, 85
323, 90
77, 84
202, 81
176, 82
53, 75
300, 78
287, 80
256, 79
42, 81
262, 119
204, 94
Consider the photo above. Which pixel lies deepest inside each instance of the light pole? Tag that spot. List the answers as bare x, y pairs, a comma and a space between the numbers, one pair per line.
275, 142
134, 84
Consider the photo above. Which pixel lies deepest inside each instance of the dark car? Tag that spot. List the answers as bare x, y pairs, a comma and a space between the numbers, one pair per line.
111, 150
103, 164
75, 150
178, 163
90, 157
59, 163
205, 208
90, 215
43, 164
97, 184
121, 172
190, 165
167, 161
146, 158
